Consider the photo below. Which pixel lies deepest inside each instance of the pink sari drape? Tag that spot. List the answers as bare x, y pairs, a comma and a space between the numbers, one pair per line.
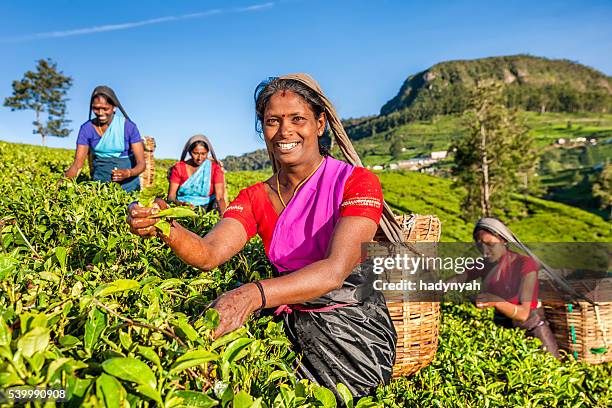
304, 229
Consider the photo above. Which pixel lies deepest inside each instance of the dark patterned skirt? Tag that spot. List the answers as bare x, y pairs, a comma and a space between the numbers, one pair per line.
353, 345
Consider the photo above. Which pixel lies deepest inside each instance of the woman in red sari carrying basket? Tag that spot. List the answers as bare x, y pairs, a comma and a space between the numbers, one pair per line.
313, 215
510, 282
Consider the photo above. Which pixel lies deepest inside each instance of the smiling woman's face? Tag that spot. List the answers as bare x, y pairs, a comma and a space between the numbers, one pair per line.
102, 109
290, 128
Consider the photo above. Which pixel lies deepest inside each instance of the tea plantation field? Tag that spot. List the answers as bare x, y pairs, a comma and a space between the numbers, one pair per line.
118, 321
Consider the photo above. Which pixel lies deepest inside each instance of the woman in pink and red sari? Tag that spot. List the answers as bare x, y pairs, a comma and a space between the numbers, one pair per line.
313, 215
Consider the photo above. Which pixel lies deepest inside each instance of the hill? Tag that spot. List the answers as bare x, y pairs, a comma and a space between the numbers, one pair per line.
530, 83
533, 83
256, 160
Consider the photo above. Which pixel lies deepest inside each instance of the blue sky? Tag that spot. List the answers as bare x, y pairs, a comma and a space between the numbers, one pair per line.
186, 67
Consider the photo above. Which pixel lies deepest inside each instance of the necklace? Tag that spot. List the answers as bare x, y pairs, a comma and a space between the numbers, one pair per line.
99, 129
296, 187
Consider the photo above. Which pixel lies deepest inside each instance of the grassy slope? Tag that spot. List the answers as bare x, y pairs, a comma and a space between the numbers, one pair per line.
436, 134
535, 220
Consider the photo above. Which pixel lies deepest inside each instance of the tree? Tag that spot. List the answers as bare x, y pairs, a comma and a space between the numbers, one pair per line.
602, 188
587, 156
43, 91
396, 147
496, 157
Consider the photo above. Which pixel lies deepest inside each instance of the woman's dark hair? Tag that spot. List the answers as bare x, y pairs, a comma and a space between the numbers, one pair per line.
196, 144
266, 89
106, 98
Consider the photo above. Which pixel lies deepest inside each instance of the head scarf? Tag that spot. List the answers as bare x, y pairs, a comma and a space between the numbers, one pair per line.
495, 226
500, 229
110, 95
388, 223
198, 138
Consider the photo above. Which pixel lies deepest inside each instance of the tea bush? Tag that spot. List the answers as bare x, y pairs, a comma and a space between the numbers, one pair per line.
119, 321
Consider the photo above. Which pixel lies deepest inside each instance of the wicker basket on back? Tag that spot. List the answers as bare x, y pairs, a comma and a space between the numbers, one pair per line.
582, 329
147, 177
416, 322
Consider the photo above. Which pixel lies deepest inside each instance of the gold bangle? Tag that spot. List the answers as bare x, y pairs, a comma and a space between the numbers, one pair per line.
515, 312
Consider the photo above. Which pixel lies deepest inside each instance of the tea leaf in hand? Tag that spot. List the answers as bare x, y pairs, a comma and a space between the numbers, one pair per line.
164, 227
148, 196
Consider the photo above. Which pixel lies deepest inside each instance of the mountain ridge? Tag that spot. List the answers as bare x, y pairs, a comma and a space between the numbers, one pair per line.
531, 83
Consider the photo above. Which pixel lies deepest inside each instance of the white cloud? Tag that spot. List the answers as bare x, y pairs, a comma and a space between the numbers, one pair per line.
133, 24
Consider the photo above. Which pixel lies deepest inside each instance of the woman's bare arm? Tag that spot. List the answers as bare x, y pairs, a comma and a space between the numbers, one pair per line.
305, 284
220, 196
172, 190
526, 297
224, 241
80, 156
138, 150
518, 312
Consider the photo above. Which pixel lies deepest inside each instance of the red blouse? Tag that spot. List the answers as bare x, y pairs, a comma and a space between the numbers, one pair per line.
362, 197
179, 175
506, 281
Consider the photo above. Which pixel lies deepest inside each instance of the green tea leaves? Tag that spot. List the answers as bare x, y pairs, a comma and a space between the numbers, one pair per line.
192, 359
130, 369
120, 285
175, 212
94, 327
195, 399
34, 341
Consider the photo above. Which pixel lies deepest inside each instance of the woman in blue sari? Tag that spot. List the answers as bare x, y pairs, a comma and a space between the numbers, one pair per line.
198, 181
113, 140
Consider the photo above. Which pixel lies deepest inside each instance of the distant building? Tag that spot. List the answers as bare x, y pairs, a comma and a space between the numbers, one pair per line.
393, 166
377, 167
415, 163
439, 155
561, 141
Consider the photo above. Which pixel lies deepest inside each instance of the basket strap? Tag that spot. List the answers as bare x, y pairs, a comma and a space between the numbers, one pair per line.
390, 226
601, 325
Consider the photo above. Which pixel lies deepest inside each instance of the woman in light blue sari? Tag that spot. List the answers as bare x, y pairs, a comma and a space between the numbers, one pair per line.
199, 181
113, 141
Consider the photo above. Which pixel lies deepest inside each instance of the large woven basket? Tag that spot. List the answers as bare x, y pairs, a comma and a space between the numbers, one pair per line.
582, 329
416, 322
147, 177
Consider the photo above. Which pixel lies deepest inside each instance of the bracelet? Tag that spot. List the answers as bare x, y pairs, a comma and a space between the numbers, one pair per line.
263, 295
515, 312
